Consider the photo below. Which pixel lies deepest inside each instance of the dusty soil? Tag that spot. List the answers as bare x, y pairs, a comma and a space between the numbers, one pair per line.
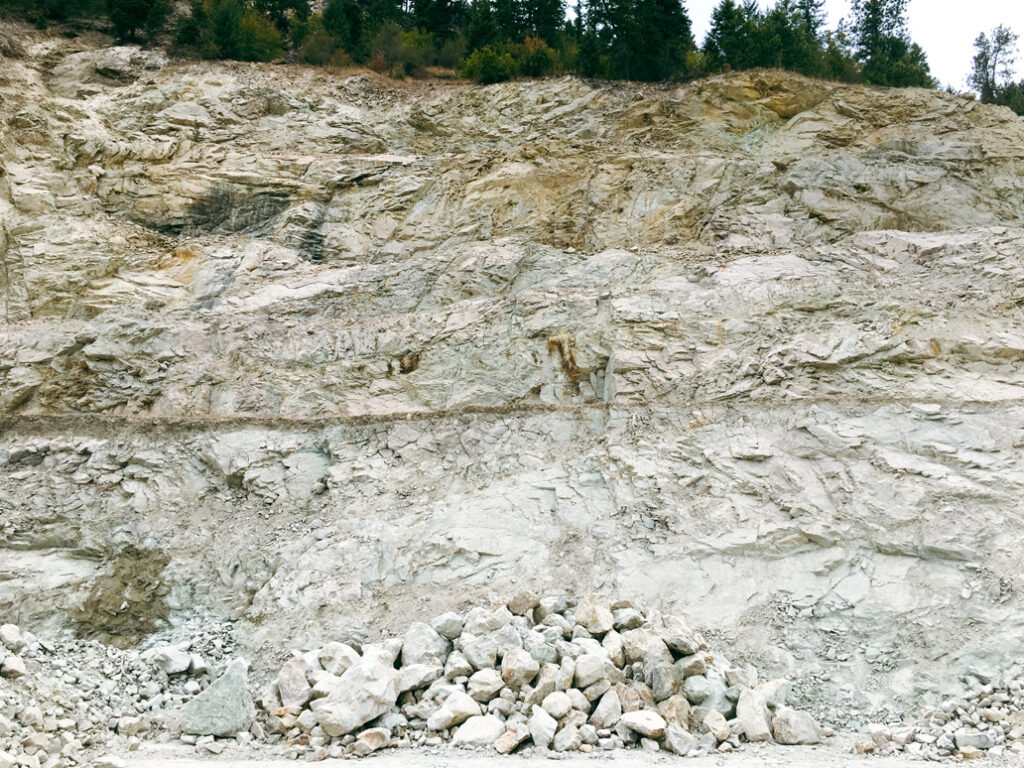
832, 756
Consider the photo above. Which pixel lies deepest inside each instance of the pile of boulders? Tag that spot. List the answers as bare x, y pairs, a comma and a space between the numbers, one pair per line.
64, 700
989, 720
549, 674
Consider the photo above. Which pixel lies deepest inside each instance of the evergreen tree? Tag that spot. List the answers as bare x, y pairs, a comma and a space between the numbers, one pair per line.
993, 62
481, 27
839, 61
343, 20
354, 23
812, 13
130, 17
666, 37
222, 38
543, 19
638, 39
440, 18
508, 19
883, 45
732, 40
282, 12
788, 37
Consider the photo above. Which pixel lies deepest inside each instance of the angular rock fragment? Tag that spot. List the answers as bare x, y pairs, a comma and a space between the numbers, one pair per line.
523, 602
456, 708
223, 709
423, 645
752, 714
479, 731
371, 740
366, 690
542, 727
607, 712
336, 658
678, 740
293, 688
518, 668
791, 726
646, 722
511, 738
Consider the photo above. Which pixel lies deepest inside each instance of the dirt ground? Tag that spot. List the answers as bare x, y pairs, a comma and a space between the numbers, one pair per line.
752, 756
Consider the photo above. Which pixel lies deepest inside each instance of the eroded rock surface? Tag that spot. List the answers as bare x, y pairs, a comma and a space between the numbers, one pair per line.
325, 353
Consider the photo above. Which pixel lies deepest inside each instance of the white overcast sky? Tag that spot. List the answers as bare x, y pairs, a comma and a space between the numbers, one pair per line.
945, 29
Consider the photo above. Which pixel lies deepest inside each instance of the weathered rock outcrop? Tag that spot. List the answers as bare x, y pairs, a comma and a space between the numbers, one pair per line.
312, 350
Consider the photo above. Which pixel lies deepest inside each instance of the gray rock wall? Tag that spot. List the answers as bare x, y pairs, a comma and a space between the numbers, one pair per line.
325, 354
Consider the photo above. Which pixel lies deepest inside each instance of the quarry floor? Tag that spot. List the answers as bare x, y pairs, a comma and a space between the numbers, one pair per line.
829, 756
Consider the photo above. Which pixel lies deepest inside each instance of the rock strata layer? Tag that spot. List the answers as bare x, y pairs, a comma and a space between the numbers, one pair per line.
315, 352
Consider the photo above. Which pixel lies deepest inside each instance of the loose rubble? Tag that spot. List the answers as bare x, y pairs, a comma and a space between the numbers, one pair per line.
987, 721
550, 674
66, 702
555, 675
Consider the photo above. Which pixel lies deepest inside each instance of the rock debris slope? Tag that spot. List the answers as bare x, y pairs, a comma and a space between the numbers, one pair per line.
324, 353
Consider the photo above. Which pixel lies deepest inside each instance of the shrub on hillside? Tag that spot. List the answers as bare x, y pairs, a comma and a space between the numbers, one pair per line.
406, 51
318, 46
536, 58
488, 65
227, 29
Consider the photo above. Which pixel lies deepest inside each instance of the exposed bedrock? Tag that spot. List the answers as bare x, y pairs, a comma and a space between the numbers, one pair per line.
327, 354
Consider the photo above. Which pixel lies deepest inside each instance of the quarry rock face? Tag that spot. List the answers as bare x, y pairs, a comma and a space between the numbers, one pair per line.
326, 354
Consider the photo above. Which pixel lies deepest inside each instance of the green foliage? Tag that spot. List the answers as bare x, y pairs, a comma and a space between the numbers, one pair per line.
43, 12
494, 40
258, 39
452, 52
343, 20
442, 19
883, 46
839, 62
1011, 95
993, 62
790, 37
404, 51
732, 40
481, 25
636, 39
992, 71
318, 46
488, 65
282, 13
130, 17
228, 29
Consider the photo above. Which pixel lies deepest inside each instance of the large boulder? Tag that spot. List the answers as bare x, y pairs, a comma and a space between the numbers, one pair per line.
457, 708
479, 731
791, 726
518, 668
752, 714
293, 688
645, 722
542, 727
424, 645
223, 709
366, 690
594, 617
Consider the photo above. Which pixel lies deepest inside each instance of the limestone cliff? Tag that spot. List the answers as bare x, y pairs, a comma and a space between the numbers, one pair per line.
323, 352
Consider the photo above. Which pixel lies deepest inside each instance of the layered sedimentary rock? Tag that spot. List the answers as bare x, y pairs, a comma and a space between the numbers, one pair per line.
324, 353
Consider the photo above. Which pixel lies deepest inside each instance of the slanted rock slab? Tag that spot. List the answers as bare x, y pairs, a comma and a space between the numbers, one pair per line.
223, 709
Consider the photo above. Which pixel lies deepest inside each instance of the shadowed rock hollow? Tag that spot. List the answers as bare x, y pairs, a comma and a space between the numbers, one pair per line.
339, 352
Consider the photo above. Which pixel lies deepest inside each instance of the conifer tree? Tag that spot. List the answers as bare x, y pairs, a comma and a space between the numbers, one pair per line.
732, 40
884, 47
993, 62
